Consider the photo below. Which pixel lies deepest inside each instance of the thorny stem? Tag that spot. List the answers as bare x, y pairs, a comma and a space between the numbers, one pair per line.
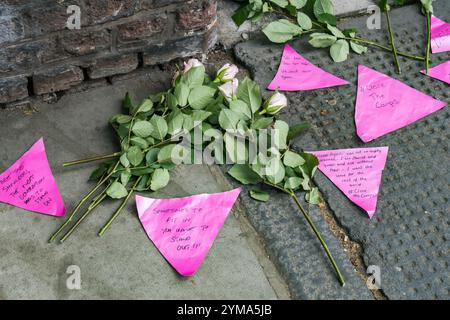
316, 231
392, 40
117, 212
427, 58
82, 201
97, 158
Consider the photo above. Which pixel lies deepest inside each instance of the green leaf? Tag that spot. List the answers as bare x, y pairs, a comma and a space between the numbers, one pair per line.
152, 156
304, 21
244, 174
128, 102
175, 124
262, 123
282, 129
275, 171
142, 129
172, 101
340, 50
241, 108
310, 166
280, 3
359, 49
292, 159
384, 6
313, 196
200, 97
427, 5
116, 191
296, 130
259, 195
200, 115
241, 15
323, 6
250, 92
298, 4
165, 154
335, 31
228, 119
99, 172
194, 77
135, 155
160, 127
160, 179
293, 183
124, 160
122, 118
145, 106
182, 93
140, 142
327, 18
282, 31
322, 40
125, 177
142, 185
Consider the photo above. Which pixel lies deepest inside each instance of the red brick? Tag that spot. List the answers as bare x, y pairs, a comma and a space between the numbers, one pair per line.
83, 42
100, 11
144, 28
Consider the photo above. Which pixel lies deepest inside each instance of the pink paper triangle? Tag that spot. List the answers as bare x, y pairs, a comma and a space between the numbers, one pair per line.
440, 72
356, 172
296, 73
184, 229
29, 183
384, 104
440, 35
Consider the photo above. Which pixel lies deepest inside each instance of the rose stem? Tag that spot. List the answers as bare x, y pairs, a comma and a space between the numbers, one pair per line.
97, 158
392, 40
93, 205
117, 212
316, 231
82, 201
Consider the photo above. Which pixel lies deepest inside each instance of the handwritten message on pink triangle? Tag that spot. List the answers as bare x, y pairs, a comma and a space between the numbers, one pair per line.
184, 229
440, 72
29, 183
440, 35
384, 104
296, 73
356, 172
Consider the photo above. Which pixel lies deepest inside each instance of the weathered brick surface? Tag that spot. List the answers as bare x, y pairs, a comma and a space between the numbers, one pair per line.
114, 65
23, 57
101, 11
57, 79
12, 89
180, 48
199, 15
35, 42
146, 27
82, 42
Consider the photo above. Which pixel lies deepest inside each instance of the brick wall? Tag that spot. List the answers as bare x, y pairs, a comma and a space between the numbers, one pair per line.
40, 55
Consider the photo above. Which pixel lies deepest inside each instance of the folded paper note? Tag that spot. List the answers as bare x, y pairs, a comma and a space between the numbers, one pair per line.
440, 35
384, 104
296, 73
356, 172
184, 229
29, 183
440, 72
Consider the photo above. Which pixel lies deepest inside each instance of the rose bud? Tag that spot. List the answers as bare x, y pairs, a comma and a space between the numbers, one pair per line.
227, 73
275, 103
229, 89
192, 63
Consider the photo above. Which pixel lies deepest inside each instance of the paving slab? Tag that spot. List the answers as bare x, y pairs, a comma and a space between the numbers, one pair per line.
123, 264
409, 236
